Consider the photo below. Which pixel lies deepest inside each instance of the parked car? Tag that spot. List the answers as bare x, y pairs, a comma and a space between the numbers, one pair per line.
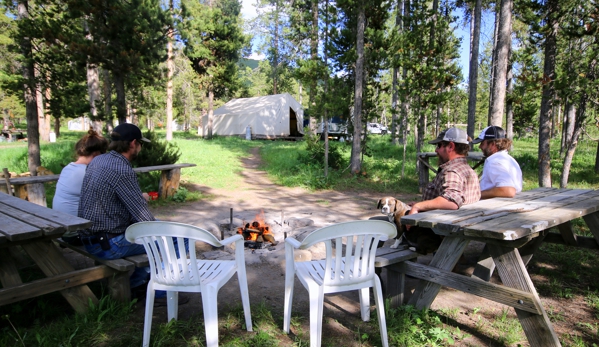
376, 128
337, 128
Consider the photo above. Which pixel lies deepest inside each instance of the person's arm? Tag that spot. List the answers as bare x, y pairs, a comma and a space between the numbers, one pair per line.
438, 203
498, 192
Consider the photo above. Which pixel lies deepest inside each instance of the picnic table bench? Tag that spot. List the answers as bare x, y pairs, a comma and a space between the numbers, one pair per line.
168, 185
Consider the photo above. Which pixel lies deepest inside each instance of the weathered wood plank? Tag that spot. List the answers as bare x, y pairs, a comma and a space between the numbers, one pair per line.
567, 233
49, 259
581, 241
162, 167
385, 258
517, 225
511, 269
45, 224
53, 178
498, 293
117, 264
9, 273
592, 221
446, 258
56, 222
54, 283
14, 229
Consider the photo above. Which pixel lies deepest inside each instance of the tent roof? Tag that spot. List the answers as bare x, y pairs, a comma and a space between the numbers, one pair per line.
258, 104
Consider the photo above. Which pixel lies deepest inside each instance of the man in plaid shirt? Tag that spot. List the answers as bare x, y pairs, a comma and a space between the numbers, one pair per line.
456, 184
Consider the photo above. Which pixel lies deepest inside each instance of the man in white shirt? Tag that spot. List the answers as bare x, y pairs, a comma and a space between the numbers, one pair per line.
502, 176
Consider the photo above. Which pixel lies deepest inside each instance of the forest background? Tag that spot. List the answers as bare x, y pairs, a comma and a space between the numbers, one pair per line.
149, 62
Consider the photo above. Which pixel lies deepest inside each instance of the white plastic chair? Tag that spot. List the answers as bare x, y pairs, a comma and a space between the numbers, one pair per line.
349, 265
187, 274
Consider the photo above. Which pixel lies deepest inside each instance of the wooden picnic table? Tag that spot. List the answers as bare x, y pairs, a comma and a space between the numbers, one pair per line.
512, 230
31, 227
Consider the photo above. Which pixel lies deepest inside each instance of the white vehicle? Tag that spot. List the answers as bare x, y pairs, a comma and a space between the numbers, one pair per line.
376, 128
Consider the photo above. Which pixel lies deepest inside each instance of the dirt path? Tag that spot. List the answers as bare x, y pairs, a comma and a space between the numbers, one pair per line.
473, 315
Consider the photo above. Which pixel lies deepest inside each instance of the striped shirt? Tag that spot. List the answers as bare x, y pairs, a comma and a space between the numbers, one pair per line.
110, 195
456, 182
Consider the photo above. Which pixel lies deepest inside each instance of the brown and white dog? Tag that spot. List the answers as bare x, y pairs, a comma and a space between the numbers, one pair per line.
394, 209
421, 240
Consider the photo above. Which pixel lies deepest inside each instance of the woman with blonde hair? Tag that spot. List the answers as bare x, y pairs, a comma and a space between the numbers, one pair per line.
68, 188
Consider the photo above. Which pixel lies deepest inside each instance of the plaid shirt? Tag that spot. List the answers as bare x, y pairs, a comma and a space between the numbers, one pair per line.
110, 195
456, 182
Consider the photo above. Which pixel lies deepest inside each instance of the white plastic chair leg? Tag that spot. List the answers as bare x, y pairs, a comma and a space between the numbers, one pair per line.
210, 306
365, 304
148, 315
380, 310
289, 283
316, 309
245, 299
172, 305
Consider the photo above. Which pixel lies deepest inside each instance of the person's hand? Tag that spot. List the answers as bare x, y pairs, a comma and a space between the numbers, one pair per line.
146, 196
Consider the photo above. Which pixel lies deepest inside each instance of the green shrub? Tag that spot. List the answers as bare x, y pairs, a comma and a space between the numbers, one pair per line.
157, 152
314, 154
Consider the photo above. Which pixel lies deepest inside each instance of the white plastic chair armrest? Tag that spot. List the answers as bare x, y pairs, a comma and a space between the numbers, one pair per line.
293, 242
231, 239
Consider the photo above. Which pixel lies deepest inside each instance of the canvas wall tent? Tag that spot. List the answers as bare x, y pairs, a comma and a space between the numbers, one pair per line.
271, 116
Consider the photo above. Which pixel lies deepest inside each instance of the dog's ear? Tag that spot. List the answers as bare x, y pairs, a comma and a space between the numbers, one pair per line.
380, 204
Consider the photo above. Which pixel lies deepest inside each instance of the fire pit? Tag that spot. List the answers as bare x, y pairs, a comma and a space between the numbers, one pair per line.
257, 233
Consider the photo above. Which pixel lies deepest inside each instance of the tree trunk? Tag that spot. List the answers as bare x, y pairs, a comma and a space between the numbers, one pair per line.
509, 105
33, 135
275, 45
41, 116
569, 124
93, 90
547, 95
170, 67
210, 111
314, 54
121, 100
108, 101
580, 118
473, 66
356, 164
493, 62
326, 91
504, 40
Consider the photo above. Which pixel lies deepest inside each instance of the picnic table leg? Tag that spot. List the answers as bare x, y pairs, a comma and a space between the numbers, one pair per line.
513, 273
592, 221
51, 261
9, 274
446, 258
169, 183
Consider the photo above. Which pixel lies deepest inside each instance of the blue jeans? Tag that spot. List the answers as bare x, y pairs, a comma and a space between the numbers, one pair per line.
120, 248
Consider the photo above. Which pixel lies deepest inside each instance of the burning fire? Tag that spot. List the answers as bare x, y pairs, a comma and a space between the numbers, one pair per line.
257, 231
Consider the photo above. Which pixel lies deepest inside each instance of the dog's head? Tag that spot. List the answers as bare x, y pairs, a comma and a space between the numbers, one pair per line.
392, 207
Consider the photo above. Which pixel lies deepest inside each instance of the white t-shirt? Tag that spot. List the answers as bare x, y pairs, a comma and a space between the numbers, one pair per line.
501, 170
68, 189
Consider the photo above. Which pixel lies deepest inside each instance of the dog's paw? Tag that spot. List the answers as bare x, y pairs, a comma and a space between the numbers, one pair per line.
396, 244
413, 249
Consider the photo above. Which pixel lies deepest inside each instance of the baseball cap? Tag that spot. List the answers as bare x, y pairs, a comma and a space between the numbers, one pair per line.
127, 132
454, 135
490, 133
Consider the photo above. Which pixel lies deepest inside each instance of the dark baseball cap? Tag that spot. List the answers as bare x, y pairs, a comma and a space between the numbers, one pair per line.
455, 135
490, 133
127, 132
